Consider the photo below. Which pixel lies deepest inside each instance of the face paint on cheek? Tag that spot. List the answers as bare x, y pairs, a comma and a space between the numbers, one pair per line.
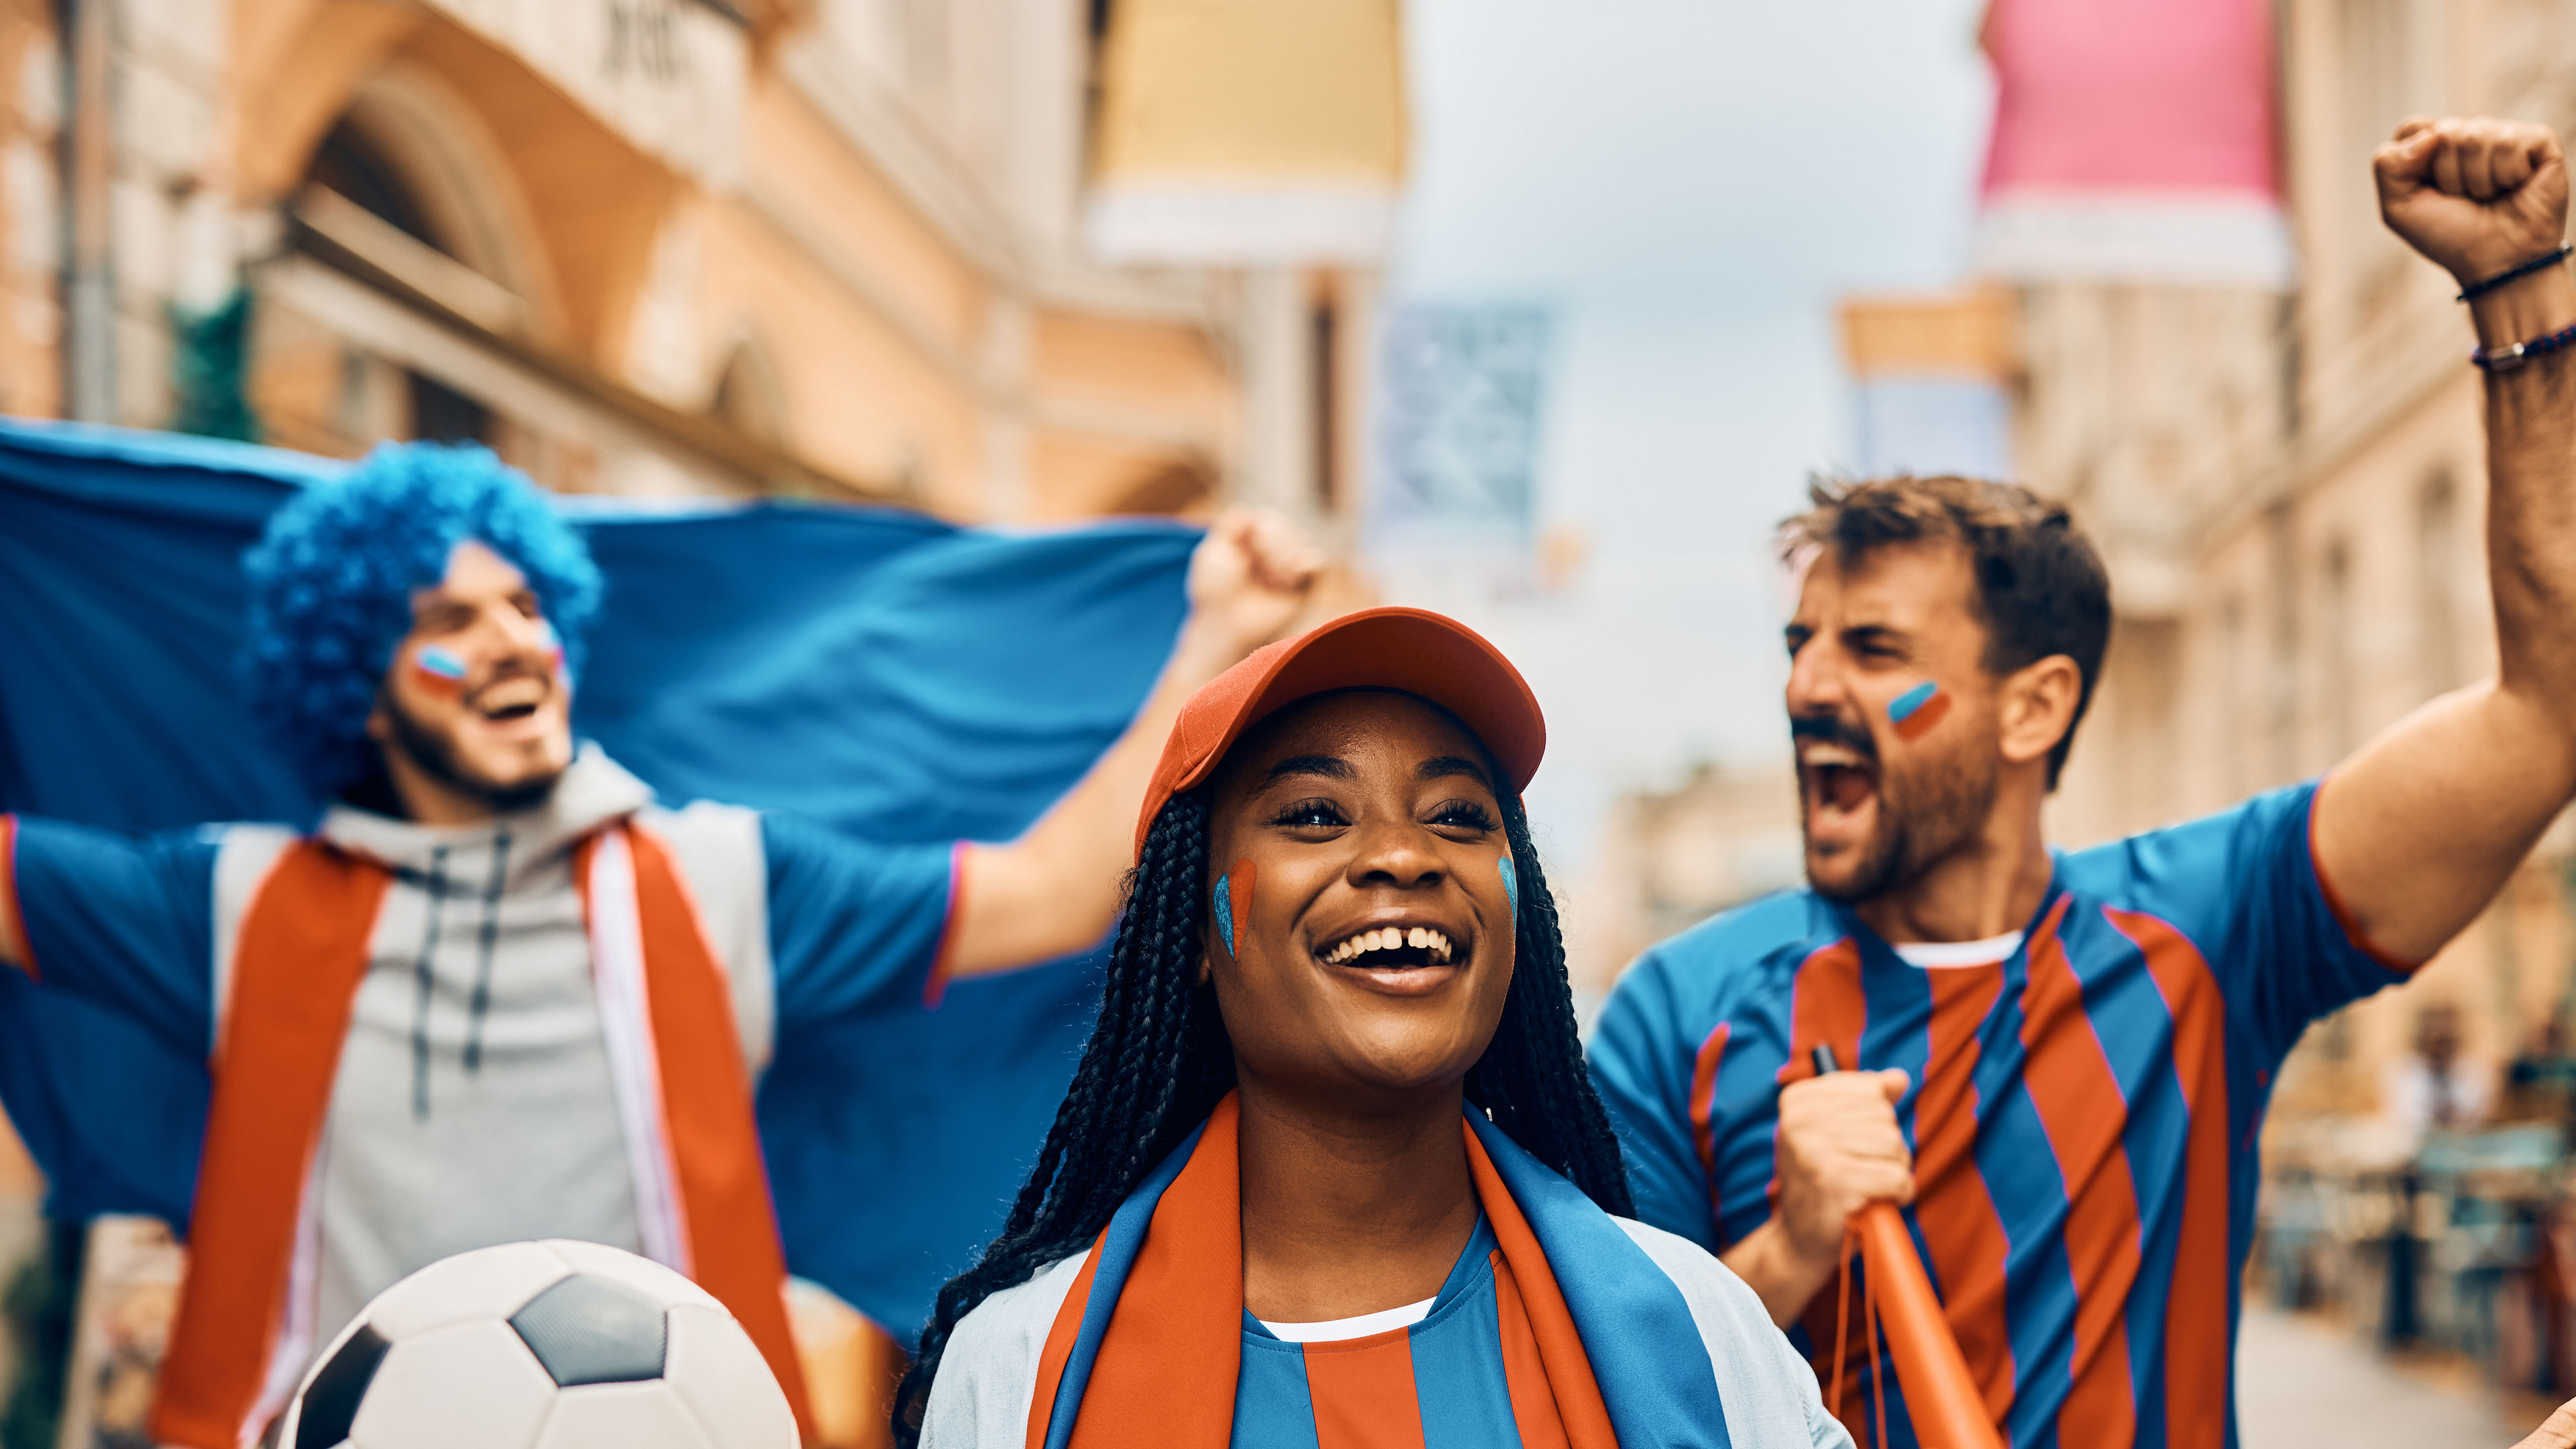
1511, 885
440, 670
1917, 710
1233, 902
551, 642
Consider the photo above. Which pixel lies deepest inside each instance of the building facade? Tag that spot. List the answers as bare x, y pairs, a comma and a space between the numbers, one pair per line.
826, 247
835, 249
2291, 491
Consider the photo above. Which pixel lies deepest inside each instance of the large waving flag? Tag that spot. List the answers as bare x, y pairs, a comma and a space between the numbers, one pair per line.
891, 674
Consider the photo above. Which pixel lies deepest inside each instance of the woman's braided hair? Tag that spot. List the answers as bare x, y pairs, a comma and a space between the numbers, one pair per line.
1159, 1061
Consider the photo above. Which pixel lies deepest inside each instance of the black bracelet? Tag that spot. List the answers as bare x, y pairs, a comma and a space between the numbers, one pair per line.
2506, 359
2540, 263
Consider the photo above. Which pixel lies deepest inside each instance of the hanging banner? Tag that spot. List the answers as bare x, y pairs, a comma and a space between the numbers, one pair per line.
1249, 132
1457, 413
2134, 141
1932, 383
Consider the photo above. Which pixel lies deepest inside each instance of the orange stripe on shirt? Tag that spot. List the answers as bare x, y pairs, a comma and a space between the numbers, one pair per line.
1961, 1230
13, 916
2080, 1108
1703, 1104
1362, 1392
2196, 1338
1828, 1008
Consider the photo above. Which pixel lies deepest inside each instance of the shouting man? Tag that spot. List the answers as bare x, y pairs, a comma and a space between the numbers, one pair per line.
499, 995
2066, 1056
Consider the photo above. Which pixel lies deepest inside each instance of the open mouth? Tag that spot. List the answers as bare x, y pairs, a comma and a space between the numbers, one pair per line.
1392, 948
1837, 781
510, 699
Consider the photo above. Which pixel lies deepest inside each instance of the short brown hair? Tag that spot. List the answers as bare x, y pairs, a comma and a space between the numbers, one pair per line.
2041, 589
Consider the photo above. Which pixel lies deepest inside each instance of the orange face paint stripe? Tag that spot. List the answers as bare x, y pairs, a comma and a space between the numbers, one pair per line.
2078, 1099
9, 901
1703, 1103
1560, 1349
1961, 1230
300, 957
1362, 1392
1524, 1375
1239, 898
707, 1112
2196, 1337
1174, 1347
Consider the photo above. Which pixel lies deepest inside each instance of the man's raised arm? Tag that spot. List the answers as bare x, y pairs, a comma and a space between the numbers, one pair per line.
2416, 833
1055, 889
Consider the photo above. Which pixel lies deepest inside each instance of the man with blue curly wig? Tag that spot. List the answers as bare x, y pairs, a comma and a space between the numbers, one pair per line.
500, 994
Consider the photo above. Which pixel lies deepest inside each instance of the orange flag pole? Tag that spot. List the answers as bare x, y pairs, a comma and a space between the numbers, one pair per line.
1941, 1396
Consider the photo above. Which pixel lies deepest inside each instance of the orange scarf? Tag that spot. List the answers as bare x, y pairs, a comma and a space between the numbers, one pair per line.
303, 950
1164, 1369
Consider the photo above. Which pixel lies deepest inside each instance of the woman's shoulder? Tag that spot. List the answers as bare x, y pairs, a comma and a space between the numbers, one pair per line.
1759, 1375
989, 1371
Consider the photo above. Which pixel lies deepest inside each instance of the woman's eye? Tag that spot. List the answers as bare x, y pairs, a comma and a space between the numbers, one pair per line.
1464, 815
1310, 814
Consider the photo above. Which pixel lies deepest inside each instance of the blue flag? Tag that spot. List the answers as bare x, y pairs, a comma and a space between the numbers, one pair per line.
902, 678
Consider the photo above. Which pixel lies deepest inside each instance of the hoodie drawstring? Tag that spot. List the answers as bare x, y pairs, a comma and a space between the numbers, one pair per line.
482, 1004
423, 974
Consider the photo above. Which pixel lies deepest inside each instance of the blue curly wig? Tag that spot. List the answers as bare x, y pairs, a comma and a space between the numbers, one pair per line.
331, 582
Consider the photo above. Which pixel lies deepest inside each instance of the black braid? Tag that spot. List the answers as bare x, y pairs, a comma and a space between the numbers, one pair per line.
1159, 1061
1532, 1079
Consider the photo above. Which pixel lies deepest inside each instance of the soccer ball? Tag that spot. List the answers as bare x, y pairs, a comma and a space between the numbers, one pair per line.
552, 1345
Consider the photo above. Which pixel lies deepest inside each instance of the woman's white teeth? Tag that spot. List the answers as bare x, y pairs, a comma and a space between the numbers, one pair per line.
1394, 938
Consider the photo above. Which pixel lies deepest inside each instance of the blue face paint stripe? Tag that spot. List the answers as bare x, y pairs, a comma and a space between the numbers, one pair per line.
1904, 705
1511, 885
1225, 912
442, 661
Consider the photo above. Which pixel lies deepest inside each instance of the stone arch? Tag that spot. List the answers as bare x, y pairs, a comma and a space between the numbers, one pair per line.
445, 157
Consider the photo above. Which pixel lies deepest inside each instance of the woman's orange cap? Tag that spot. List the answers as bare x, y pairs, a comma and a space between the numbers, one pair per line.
1413, 650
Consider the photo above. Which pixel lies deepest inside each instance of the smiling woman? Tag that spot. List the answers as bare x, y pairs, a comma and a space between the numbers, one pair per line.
1332, 1171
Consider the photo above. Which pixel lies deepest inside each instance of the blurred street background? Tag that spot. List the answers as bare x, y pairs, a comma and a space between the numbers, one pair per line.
1540, 314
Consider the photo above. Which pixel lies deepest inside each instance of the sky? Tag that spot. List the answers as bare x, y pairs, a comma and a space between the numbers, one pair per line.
1687, 185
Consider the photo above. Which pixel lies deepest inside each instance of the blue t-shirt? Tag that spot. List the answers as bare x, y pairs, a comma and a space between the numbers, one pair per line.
2083, 1114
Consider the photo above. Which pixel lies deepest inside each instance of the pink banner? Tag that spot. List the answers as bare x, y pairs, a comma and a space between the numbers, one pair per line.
2131, 95
2133, 141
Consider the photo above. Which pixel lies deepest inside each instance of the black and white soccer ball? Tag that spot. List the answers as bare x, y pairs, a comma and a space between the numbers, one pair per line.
552, 1345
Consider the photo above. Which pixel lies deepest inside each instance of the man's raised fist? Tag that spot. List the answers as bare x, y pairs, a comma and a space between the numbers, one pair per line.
2475, 196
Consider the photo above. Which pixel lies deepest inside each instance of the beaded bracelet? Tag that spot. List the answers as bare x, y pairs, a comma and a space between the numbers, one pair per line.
2506, 359
2475, 290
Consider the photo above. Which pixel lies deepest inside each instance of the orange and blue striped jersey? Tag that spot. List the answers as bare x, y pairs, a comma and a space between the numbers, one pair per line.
1439, 1384
2083, 1114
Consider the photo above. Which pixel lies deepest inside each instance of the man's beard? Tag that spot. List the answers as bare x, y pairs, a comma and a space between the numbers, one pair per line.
1924, 816
436, 757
